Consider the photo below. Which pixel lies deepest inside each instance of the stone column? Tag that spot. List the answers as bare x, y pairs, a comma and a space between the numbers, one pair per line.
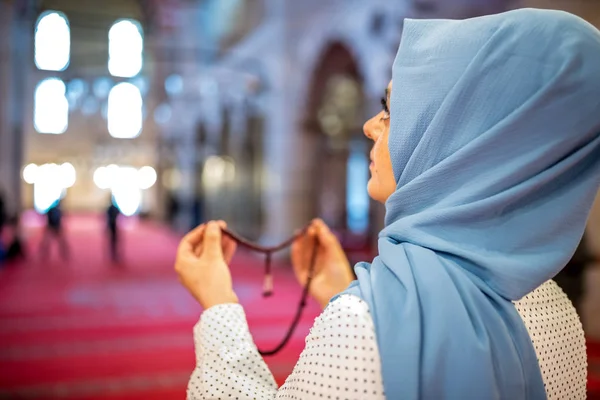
281, 151
6, 135
14, 68
185, 153
288, 161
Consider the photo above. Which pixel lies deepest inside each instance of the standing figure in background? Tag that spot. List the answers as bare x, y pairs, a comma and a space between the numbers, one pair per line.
15, 247
54, 230
112, 217
172, 207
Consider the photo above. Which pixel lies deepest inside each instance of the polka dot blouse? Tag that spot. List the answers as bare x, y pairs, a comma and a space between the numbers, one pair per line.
557, 336
341, 358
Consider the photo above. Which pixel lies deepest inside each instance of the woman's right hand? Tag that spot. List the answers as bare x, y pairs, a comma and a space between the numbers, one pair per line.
332, 273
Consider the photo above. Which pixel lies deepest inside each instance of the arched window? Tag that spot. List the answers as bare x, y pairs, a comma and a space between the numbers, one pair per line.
51, 107
52, 41
125, 48
124, 111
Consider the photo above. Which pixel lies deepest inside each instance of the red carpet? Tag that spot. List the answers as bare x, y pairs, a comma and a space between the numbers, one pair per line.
90, 330
594, 370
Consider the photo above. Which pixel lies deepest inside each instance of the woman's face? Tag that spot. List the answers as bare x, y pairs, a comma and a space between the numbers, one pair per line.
382, 183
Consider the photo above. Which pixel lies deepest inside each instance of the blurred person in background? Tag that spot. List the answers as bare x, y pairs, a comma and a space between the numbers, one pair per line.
112, 220
487, 157
15, 249
172, 207
54, 231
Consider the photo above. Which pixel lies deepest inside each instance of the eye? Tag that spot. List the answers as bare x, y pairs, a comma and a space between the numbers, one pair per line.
386, 110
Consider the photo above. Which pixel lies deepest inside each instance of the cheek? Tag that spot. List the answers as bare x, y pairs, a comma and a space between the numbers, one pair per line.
379, 152
382, 154
386, 171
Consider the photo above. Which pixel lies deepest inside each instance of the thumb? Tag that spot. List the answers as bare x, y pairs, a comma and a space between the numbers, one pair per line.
326, 237
212, 241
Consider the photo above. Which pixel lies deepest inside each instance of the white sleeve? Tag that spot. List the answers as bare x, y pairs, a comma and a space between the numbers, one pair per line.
228, 364
340, 360
558, 339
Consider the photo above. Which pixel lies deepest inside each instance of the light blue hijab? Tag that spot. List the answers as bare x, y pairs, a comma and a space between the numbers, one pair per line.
495, 146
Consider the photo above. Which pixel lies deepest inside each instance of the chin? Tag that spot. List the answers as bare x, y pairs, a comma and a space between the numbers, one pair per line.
374, 192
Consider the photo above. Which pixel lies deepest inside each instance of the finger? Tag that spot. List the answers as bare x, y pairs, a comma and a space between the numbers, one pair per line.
295, 252
298, 257
304, 249
325, 236
317, 222
322, 228
212, 241
193, 238
198, 250
227, 243
298, 249
320, 224
226, 240
229, 247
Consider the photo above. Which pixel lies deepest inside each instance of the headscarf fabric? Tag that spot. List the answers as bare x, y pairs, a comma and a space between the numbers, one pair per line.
495, 145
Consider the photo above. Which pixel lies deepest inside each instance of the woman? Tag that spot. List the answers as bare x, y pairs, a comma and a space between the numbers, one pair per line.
487, 157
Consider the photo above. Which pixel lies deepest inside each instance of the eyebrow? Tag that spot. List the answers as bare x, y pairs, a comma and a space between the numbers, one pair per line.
387, 95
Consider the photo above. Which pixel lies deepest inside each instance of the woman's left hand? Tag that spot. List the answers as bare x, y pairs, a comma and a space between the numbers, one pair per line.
202, 264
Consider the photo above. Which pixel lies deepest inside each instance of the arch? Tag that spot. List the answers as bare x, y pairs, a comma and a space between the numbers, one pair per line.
336, 59
332, 121
373, 58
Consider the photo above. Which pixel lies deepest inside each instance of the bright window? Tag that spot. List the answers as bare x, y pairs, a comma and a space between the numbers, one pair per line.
51, 107
357, 196
125, 48
124, 111
49, 183
52, 41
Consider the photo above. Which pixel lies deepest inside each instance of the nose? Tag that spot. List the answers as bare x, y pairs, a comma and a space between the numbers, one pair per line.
370, 129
